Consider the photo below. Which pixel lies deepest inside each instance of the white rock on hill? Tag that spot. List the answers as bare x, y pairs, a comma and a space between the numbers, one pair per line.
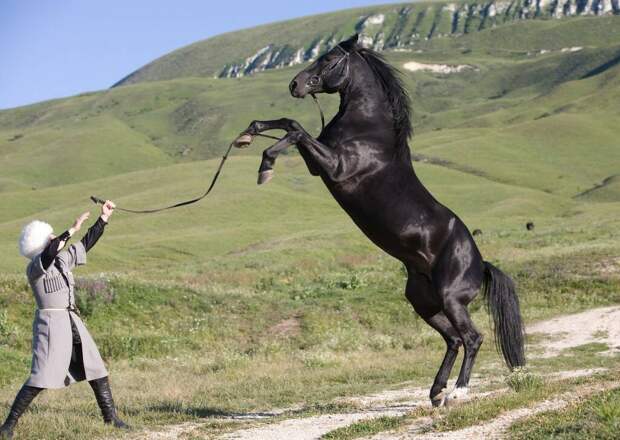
414, 66
379, 31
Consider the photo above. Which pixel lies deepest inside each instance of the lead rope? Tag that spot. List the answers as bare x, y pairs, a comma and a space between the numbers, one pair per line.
100, 201
318, 106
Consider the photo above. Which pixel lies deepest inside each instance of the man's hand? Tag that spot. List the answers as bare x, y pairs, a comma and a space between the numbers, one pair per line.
77, 224
107, 209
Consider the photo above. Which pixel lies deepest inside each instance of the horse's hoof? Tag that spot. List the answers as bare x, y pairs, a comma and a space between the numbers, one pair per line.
440, 399
265, 176
243, 141
459, 393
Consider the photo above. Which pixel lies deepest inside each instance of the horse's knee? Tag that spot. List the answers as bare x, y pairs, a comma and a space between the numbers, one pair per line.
454, 343
293, 125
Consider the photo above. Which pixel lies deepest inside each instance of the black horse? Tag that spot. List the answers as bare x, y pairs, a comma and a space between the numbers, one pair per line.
363, 157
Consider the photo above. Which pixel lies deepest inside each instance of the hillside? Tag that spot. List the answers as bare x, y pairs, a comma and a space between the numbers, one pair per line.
528, 78
264, 305
389, 27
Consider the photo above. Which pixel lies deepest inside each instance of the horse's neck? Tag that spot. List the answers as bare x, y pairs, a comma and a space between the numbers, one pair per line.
365, 102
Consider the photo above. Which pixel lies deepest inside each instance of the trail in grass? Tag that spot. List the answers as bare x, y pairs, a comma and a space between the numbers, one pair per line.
496, 428
389, 403
491, 430
598, 325
568, 331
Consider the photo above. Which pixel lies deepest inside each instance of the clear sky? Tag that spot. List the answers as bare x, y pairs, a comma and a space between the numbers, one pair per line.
55, 48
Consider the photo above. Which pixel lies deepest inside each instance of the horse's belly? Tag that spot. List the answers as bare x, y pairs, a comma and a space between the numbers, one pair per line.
411, 245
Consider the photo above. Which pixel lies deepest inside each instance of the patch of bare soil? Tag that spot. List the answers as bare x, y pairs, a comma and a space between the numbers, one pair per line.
287, 327
598, 325
609, 267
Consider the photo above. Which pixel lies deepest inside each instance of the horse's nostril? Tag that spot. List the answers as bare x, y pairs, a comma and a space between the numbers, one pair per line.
293, 85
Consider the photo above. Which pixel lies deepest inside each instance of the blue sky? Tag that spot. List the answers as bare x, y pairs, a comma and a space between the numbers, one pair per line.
55, 48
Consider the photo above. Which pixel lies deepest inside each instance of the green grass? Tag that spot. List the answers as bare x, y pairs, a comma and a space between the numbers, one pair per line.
270, 297
597, 418
367, 428
184, 350
520, 379
479, 410
425, 26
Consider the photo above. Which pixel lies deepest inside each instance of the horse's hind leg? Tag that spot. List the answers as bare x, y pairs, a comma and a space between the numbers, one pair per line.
456, 311
421, 296
441, 323
457, 276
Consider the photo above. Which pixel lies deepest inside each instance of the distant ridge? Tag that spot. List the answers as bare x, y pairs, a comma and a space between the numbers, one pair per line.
388, 27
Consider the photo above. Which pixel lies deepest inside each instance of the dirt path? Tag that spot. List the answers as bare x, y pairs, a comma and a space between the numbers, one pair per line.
310, 428
598, 325
496, 428
492, 430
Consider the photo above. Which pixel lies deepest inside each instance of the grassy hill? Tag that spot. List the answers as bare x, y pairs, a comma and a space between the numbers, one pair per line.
541, 124
188, 305
394, 26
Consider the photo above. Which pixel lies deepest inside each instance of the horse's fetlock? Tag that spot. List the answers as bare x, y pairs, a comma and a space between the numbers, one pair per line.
253, 128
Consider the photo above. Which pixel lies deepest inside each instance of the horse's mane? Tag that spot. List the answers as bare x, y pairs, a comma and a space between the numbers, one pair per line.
399, 100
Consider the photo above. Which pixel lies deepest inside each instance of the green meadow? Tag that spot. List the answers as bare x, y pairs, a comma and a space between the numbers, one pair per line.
269, 297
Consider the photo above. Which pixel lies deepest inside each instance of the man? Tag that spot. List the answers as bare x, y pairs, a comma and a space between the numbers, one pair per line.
63, 352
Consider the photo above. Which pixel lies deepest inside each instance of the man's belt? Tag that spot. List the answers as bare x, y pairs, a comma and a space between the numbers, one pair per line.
66, 309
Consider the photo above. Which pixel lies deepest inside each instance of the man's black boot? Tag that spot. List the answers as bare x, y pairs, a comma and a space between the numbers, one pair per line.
23, 399
103, 394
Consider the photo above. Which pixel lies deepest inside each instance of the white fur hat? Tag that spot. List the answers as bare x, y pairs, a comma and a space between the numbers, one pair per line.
34, 238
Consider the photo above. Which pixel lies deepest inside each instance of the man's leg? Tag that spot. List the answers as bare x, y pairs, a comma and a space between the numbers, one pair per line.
103, 394
23, 399
101, 387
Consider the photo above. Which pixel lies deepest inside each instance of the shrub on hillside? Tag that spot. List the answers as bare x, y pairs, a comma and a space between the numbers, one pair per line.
90, 293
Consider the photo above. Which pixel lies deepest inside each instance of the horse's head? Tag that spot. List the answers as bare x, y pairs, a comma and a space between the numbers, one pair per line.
328, 74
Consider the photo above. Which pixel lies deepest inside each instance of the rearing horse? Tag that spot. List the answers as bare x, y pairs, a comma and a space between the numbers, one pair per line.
363, 157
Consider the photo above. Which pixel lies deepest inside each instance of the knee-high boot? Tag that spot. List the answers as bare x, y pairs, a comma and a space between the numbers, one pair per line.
23, 399
103, 394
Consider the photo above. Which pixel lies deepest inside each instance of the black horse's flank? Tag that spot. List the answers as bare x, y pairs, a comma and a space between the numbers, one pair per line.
363, 157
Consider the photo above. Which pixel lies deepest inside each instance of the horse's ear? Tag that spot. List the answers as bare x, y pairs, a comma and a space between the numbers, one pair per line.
351, 42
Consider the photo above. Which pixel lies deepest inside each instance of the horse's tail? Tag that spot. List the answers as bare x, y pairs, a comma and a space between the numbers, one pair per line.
503, 305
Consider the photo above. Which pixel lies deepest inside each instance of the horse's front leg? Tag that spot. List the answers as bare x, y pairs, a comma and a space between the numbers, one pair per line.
285, 124
319, 157
265, 171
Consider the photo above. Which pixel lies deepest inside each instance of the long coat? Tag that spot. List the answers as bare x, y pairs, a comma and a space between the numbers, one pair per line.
52, 339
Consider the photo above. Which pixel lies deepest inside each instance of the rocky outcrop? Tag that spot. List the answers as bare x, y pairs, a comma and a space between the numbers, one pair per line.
402, 27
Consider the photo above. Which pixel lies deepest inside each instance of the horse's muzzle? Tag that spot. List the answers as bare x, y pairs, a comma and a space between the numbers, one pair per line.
297, 90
